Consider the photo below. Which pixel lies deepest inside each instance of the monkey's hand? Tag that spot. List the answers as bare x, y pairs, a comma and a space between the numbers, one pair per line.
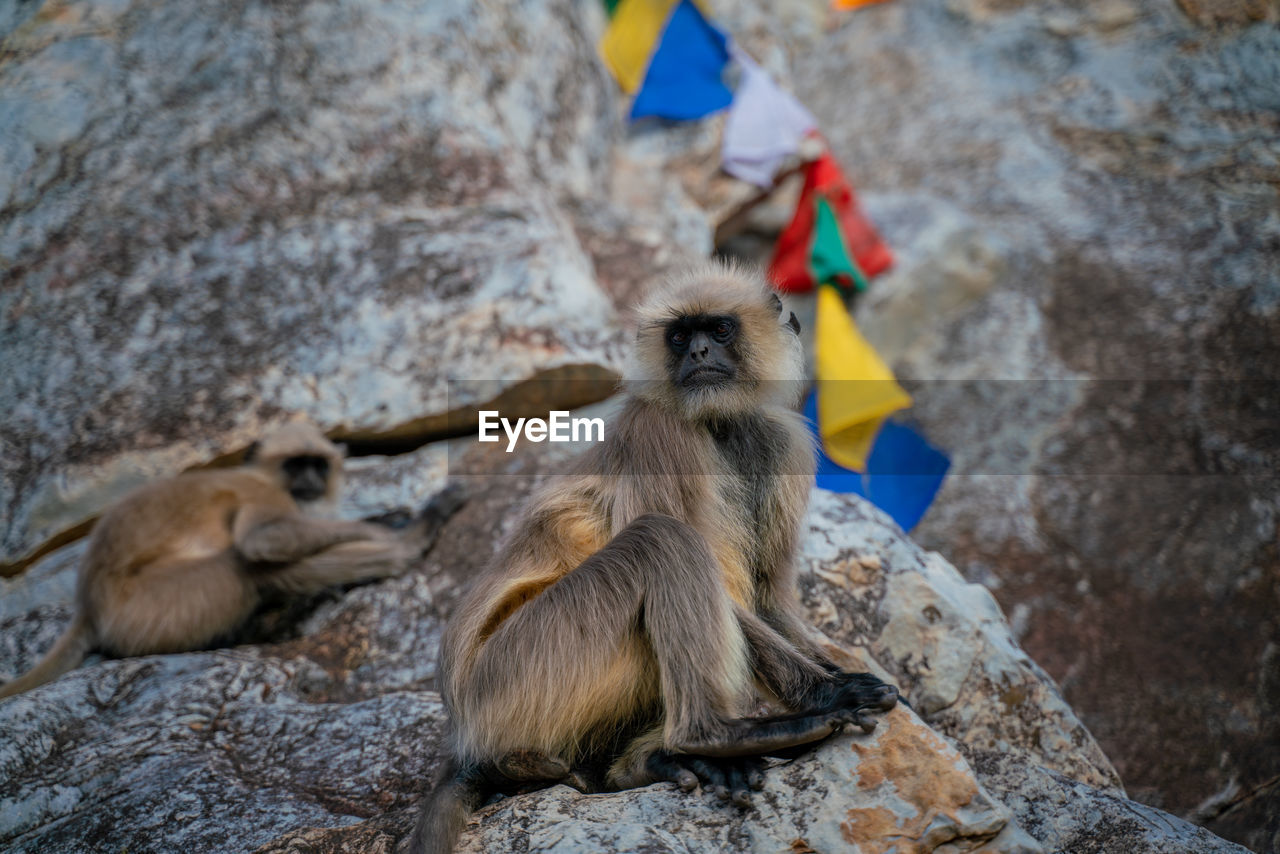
729, 779
441, 506
862, 692
393, 519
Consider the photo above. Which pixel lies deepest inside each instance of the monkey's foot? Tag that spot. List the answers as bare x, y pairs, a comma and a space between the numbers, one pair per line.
729, 779
527, 766
445, 502
437, 511
528, 770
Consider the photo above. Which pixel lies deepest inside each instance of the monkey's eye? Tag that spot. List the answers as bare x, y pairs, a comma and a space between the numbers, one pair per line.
723, 330
678, 338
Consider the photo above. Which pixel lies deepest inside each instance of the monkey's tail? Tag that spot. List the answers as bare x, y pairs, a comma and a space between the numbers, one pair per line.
69, 651
459, 791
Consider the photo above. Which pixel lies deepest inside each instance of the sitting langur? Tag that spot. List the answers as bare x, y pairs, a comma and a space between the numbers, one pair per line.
179, 563
624, 630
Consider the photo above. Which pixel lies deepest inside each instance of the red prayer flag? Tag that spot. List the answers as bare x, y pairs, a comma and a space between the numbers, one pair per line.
790, 270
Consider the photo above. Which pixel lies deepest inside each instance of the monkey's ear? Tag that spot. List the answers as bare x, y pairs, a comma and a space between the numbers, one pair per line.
251, 452
794, 323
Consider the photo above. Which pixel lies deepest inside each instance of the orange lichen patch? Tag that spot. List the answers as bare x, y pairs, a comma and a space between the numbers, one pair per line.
853, 572
926, 776
871, 827
870, 563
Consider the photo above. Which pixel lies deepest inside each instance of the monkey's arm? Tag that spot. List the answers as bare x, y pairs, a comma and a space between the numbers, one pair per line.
805, 680
269, 537
784, 620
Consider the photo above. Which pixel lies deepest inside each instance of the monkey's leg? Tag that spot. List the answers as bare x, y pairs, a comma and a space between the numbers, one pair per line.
827, 702
285, 539
422, 532
575, 659
729, 765
170, 606
345, 563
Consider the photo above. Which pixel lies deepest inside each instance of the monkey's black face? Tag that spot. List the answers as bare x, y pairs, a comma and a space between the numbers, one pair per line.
701, 350
306, 477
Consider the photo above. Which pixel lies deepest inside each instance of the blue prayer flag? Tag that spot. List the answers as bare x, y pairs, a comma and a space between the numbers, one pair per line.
684, 77
904, 472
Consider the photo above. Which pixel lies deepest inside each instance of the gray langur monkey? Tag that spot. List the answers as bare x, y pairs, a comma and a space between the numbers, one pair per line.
181, 562
622, 634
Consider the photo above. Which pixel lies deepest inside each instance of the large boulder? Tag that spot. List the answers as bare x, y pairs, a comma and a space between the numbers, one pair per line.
1086, 308
381, 216
899, 789
318, 733
944, 641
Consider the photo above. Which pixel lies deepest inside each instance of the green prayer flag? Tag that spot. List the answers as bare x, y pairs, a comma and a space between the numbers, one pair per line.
829, 258
611, 6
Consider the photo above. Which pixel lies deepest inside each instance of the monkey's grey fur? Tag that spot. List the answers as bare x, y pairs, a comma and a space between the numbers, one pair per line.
622, 633
180, 562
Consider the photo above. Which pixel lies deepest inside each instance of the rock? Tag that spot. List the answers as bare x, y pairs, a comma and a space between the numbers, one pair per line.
943, 641
1086, 309
1209, 13
319, 737
191, 751
900, 786
378, 485
35, 608
385, 217
1069, 816
212, 216
262, 719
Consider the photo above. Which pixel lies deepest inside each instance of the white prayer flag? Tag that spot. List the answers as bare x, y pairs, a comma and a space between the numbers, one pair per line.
765, 126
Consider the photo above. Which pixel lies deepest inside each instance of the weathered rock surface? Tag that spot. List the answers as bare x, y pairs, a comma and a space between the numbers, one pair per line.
943, 640
382, 215
319, 737
213, 215
192, 751
1082, 201
899, 789
1069, 816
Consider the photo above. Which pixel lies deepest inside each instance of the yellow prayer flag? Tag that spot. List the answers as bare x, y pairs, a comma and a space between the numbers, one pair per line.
632, 37
856, 389
853, 4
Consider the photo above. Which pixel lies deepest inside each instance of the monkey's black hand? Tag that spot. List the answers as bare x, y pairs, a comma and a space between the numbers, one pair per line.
394, 519
426, 527
729, 779
446, 502
862, 692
